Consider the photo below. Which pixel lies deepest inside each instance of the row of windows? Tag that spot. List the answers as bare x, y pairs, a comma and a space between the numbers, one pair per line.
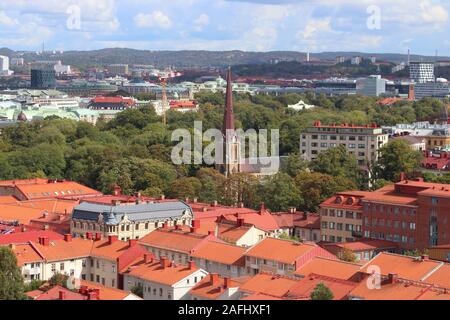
336, 239
341, 213
389, 237
389, 223
340, 226
389, 209
341, 138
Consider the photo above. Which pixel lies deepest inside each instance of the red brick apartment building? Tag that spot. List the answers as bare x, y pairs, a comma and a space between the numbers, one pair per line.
412, 213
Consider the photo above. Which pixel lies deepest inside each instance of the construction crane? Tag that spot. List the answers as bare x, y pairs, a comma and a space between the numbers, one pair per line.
163, 77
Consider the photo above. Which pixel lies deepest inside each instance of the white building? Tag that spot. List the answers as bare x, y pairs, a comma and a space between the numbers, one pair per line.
356, 60
421, 72
301, 105
4, 66
162, 279
363, 142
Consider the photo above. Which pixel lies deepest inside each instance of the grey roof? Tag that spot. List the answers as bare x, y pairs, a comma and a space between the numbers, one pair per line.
135, 212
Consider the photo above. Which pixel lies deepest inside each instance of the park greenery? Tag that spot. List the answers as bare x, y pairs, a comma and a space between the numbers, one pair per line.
133, 151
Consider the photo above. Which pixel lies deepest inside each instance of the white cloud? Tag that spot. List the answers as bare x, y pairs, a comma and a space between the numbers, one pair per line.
5, 20
156, 19
433, 13
315, 26
201, 22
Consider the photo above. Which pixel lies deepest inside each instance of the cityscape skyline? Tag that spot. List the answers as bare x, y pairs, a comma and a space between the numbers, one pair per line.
259, 25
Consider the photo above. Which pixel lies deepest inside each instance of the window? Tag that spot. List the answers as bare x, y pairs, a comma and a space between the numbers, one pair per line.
324, 225
53, 267
434, 200
160, 292
412, 226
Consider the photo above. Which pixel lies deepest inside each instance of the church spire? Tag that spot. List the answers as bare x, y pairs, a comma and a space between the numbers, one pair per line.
228, 119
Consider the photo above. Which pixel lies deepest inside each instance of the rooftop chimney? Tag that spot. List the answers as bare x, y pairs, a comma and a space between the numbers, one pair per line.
112, 239
214, 279
117, 190
240, 222
44, 241
392, 278
98, 236
132, 242
195, 200
62, 295
148, 258
191, 265
166, 225
262, 208
68, 237
94, 294
226, 281
165, 263
215, 203
89, 235
402, 176
163, 197
425, 257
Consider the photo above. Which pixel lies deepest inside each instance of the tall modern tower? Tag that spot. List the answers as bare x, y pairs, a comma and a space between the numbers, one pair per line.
232, 150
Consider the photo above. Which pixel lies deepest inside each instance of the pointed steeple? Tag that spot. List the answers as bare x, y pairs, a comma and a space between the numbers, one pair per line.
228, 118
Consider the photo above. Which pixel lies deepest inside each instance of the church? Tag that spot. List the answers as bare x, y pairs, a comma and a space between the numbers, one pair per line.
234, 161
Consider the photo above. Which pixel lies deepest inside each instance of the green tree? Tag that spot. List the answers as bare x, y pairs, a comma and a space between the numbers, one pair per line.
138, 290
279, 192
347, 255
11, 280
397, 157
59, 279
187, 187
322, 292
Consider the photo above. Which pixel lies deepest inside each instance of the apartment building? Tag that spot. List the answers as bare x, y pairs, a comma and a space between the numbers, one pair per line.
175, 244
421, 72
162, 279
412, 213
282, 257
341, 217
363, 142
224, 259
128, 220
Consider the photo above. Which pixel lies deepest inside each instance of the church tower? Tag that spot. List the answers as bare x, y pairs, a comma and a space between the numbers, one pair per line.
232, 148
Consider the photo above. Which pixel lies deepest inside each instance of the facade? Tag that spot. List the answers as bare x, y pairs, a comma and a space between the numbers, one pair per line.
162, 279
364, 142
421, 72
128, 221
412, 213
441, 252
43, 78
118, 69
372, 86
363, 250
431, 89
4, 66
341, 217
281, 256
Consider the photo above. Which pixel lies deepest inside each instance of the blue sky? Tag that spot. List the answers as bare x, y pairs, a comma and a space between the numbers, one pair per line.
251, 25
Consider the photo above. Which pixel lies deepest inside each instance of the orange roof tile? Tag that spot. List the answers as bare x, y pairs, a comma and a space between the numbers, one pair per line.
280, 250
305, 287
103, 249
64, 250
61, 206
154, 272
270, 284
173, 240
363, 245
399, 290
405, 267
23, 215
25, 253
54, 294
25, 237
209, 289
221, 253
440, 277
106, 293
328, 267
7, 199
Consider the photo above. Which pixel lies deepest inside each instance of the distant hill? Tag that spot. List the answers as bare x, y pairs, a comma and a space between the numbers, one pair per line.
195, 59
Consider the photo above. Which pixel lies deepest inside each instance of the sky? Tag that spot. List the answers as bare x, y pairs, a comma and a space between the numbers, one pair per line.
383, 26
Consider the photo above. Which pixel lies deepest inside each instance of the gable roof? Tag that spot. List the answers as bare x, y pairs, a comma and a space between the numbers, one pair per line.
271, 284
212, 289
221, 253
26, 253
24, 237
305, 287
154, 272
174, 240
285, 251
329, 267
64, 250
404, 266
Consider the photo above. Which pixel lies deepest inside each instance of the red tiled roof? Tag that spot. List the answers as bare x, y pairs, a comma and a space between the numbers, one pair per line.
154, 272
54, 294
26, 253
440, 277
23, 215
363, 245
286, 251
107, 293
406, 267
212, 289
7, 199
25, 237
305, 287
221, 253
329, 267
63, 250
271, 284
174, 240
